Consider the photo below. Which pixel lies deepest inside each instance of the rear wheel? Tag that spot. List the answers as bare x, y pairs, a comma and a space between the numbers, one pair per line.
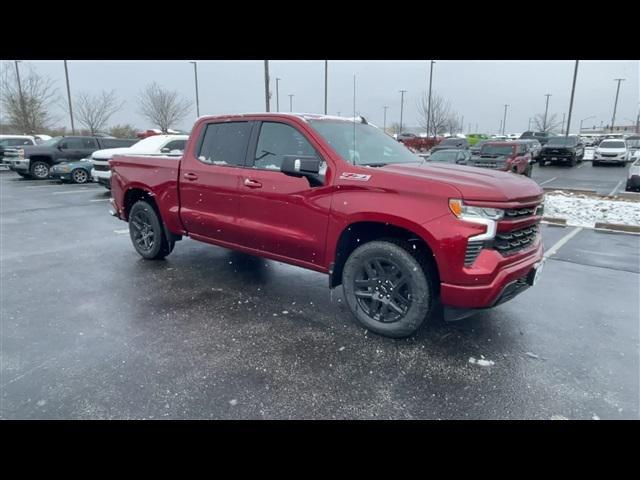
388, 288
40, 170
147, 233
79, 175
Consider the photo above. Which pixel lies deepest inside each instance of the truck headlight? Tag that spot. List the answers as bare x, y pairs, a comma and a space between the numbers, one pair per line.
467, 212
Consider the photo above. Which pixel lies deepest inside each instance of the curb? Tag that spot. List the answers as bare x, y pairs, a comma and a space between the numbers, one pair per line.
555, 221
617, 227
572, 190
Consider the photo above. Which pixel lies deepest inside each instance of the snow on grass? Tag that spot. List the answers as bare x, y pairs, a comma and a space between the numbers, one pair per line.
481, 361
581, 210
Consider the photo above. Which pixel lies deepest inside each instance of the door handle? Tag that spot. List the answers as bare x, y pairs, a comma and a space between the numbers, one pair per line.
252, 183
190, 176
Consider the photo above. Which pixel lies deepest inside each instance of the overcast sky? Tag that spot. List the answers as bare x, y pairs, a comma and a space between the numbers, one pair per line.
478, 90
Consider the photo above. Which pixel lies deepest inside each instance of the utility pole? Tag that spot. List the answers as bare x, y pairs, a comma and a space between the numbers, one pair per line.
504, 120
615, 105
290, 102
429, 105
564, 115
384, 122
573, 91
266, 83
402, 92
581, 121
546, 109
22, 109
66, 74
462, 124
529, 128
195, 73
326, 80
277, 96
638, 123
476, 127
500, 129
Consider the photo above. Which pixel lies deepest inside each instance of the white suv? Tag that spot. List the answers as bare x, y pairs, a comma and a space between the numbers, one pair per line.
155, 145
611, 151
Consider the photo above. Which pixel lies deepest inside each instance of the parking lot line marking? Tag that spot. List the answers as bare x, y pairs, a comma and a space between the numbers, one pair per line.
556, 246
616, 188
100, 200
581, 165
48, 185
84, 190
121, 232
547, 181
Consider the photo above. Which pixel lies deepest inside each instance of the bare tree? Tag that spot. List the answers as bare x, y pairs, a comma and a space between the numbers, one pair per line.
28, 108
442, 116
93, 111
123, 131
163, 108
552, 122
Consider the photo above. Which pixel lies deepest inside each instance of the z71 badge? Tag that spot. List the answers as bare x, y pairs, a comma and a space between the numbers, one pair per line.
355, 176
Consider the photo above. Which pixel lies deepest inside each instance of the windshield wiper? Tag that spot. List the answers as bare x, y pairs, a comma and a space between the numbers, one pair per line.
380, 164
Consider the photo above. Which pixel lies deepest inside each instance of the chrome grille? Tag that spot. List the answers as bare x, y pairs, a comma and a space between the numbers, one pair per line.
473, 250
101, 168
519, 212
508, 243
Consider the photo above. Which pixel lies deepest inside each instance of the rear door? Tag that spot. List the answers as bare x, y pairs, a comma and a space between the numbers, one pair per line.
209, 179
280, 214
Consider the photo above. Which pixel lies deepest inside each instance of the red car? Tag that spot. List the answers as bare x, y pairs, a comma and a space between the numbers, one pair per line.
512, 157
340, 197
419, 144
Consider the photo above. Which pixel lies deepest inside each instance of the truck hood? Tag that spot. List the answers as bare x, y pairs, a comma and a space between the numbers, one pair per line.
36, 150
107, 153
474, 183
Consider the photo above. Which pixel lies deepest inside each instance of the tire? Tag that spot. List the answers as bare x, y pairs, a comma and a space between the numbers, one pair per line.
595, 163
527, 172
573, 161
542, 163
40, 170
24, 175
79, 175
383, 266
147, 232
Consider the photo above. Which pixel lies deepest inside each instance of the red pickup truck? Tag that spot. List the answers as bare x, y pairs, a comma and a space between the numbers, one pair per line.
341, 197
512, 157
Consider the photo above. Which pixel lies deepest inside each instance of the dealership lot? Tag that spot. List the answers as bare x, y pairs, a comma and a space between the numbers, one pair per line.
90, 330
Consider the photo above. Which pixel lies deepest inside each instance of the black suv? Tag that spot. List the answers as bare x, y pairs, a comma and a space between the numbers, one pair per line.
36, 161
562, 150
542, 137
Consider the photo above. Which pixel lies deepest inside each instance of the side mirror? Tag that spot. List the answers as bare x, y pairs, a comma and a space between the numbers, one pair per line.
165, 150
300, 166
62, 146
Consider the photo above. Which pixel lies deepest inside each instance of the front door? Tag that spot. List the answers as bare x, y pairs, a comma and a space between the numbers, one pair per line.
278, 213
209, 181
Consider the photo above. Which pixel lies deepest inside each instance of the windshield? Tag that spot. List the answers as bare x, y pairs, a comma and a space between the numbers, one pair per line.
51, 142
635, 143
614, 144
497, 150
570, 141
372, 146
445, 156
14, 142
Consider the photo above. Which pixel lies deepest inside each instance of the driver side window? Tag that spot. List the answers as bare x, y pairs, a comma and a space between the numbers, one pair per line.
276, 141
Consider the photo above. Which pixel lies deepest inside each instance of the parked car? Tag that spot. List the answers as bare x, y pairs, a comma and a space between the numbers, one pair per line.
400, 235
504, 156
451, 143
36, 161
535, 147
154, 145
455, 156
633, 145
74, 172
633, 177
611, 151
542, 137
562, 150
10, 144
475, 149
474, 138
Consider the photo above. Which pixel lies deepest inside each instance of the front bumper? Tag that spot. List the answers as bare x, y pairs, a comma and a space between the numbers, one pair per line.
19, 165
64, 176
101, 177
609, 159
498, 290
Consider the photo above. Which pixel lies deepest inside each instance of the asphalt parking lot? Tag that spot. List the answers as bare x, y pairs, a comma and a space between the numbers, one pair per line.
90, 330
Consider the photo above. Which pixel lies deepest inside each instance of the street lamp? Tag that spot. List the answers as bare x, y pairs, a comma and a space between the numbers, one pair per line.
615, 105
22, 109
504, 120
266, 84
429, 104
277, 95
326, 82
384, 122
573, 90
291, 102
402, 92
581, 121
546, 109
66, 74
195, 73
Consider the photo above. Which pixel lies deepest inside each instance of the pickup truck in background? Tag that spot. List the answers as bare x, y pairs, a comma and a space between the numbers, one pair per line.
10, 144
513, 157
36, 161
405, 238
562, 150
165, 145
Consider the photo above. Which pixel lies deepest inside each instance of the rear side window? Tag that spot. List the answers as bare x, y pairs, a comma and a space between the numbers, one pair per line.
176, 145
116, 142
277, 140
225, 143
73, 143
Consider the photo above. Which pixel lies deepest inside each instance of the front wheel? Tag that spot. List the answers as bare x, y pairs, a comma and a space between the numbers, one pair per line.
388, 288
40, 170
146, 232
79, 175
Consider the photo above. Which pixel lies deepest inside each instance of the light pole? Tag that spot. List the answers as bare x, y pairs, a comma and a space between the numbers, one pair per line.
581, 121
290, 102
462, 124
573, 91
326, 80
564, 115
615, 105
22, 109
195, 73
546, 109
384, 122
66, 74
529, 124
504, 120
266, 84
277, 96
402, 92
429, 104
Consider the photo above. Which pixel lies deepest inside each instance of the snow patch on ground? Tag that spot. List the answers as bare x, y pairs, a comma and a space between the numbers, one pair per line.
583, 211
481, 361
